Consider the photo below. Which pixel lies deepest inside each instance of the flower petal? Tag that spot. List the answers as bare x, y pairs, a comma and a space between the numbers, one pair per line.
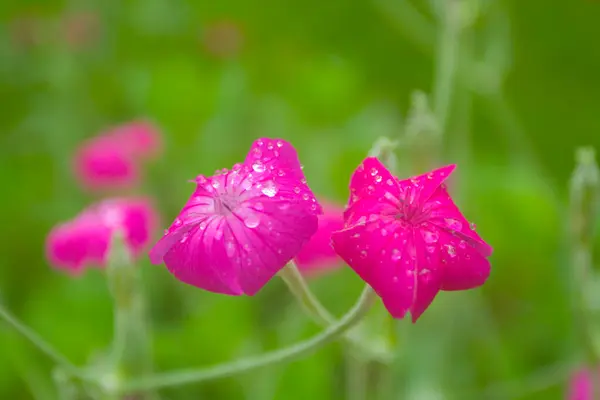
446, 215
428, 270
424, 186
199, 258
381, 252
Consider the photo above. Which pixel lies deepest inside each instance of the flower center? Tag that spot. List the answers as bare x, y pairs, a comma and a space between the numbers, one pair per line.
226, 203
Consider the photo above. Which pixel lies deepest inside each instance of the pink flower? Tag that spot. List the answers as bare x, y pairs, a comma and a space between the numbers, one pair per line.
580, 386
408, 240
111, 159
318, 255
240, 227
84, 240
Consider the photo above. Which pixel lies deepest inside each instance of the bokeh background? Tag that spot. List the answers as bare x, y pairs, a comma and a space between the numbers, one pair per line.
331, 77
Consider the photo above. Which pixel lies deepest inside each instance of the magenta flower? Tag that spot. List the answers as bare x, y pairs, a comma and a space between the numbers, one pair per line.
580, 386
408, 240
110, 160
318, 255
240, 227
83, 241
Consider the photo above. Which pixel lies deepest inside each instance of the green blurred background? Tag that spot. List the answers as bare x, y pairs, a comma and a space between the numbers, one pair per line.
330, 76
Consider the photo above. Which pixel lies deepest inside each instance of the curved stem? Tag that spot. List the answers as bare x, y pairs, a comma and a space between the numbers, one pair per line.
358, 311
319, 314
40, 343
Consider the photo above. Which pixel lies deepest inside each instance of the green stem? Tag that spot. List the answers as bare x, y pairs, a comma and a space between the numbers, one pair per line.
40, 343
446, 61
356, 377
333, 332
320, 315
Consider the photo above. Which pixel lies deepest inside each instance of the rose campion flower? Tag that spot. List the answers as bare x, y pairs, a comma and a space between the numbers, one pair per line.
240, 227
318, 255
580, 386
408, 240
110, 160
84, 241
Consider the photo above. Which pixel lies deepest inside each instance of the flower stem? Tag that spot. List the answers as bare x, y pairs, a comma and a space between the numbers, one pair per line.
330, 334
446, 61
319, 314
585, 197
40, 343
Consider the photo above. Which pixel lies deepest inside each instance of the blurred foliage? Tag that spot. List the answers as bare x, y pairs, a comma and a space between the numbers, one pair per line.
331, 77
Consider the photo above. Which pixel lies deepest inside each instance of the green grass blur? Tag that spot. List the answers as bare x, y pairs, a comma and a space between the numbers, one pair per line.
331, 77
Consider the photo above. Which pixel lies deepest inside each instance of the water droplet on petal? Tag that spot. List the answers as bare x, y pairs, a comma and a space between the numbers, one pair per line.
395, 279
415, 182
313, 207
269, 189
260, 143
462, 244
279, 144
230, 249
251, 221
370, 189
218, 234
453, 224
184, 238
430, 236
390, 182
177, 222
396, 255
378, 178
451, 250
296, 190
363, 254
258, 166
472, 226
270, 146
259, 206
374, 171
430, 249
305, 196
281, 173
216, 184
384, 232
166, 232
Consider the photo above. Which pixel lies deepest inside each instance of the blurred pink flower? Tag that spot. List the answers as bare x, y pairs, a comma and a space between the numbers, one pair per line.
223, 39
318, 255
580, 386
408, 240
80, 29
84, 240
240, 227
110, 160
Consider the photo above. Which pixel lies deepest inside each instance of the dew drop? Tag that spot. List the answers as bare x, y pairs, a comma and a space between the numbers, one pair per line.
246, 184
430, 249
236, 167
259, 206
270, 146
251, 221
424, 271
281, 173
472, 226
355, 236
177, 222
453, 224
257, 153
430, 176
363, 254
396, 255
184, 238
378, 178
395, 279
462, 244
269, 189
305, 196
216, 184
451, 250
279, 144
258, 166
303, 181
313, 207
296, 190
260, 143
370, 189
390, 182
384, 232
374, 171
218, 234
279, 251
201, 179
415, 182
166, 232
230, 249
430, 236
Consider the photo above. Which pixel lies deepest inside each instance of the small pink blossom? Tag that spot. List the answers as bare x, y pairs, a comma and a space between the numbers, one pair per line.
240, 227
580, 386
408, 240
84, 240
110, 160
318, 255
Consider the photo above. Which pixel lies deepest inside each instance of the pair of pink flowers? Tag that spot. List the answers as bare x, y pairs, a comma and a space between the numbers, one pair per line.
405, 238
108, 162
